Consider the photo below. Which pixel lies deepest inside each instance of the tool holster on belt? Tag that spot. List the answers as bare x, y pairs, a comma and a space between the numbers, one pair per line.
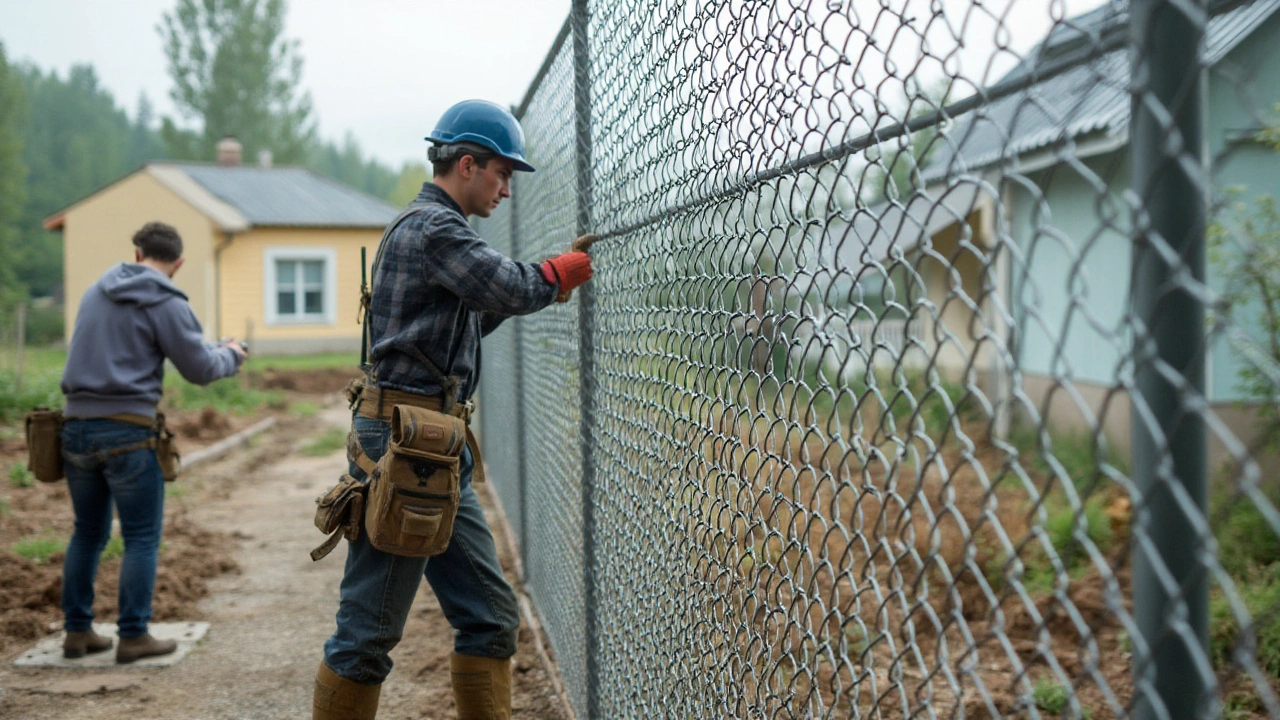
163, 442
411, 498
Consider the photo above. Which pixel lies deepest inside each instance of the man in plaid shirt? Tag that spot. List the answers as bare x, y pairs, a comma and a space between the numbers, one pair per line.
439, 288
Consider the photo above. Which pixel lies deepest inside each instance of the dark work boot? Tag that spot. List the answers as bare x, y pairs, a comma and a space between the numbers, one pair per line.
79, 644
481, 687
143, 646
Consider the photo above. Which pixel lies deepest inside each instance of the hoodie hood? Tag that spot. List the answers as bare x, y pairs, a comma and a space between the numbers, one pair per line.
138, 285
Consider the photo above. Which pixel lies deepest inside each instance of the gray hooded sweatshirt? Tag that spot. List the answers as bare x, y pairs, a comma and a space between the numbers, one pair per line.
129, 322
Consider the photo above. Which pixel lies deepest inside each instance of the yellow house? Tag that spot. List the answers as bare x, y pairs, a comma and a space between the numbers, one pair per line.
272, 253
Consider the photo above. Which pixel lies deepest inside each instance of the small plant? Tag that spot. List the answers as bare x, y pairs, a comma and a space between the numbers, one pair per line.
1246, 539
113, 550
1261, 596
327, 442
1242, 706
4, 506
1061, 527
1050, 696
39, 548
20, 476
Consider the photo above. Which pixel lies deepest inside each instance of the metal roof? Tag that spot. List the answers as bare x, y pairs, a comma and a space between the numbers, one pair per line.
285, 196
1091, 99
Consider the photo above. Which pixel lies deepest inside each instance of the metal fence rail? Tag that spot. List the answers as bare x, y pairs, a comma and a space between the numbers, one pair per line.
930, 367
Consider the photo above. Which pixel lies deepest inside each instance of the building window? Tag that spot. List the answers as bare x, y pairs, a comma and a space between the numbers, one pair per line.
300, 286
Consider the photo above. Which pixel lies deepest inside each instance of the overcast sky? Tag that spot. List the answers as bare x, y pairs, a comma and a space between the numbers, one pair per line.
383, 69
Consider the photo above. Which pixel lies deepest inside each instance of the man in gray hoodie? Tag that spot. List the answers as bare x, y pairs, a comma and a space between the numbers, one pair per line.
129, 322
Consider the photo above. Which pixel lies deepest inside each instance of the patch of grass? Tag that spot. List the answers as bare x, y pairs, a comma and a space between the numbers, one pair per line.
1075, 453
1061, 526
174, 490
40, 386
39, 548
1261, 596
228, 395
113, 550
1246, 539
1242, 706
304, 409
303, 362
327, 442
5, 509
1051, 697
20, 476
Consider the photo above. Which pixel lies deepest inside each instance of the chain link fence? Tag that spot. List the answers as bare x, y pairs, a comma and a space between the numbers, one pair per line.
929, 368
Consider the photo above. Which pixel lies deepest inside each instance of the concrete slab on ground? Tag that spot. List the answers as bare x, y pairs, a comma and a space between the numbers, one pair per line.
48, 652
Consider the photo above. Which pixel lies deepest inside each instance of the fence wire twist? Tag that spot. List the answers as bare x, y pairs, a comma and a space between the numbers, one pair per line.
930, 364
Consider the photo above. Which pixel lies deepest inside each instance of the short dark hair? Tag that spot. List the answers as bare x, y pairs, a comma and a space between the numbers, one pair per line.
444, 158
158, 241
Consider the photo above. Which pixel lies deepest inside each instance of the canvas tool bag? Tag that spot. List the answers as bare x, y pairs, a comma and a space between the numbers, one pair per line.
338, 514
44, 444
415, 487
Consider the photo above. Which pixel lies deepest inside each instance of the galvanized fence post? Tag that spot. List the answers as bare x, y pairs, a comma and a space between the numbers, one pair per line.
522, 476
586, 351
1172, 673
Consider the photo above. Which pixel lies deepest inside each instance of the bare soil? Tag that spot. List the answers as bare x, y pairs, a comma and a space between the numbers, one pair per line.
236, 539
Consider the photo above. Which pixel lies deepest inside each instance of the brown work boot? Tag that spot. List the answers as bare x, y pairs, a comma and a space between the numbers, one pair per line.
337, 698
481, 687
79, 644
143, 646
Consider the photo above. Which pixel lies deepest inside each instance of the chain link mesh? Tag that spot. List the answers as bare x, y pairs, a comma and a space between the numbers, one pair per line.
909, 389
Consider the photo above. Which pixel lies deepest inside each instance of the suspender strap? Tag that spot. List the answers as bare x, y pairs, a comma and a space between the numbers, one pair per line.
450, 385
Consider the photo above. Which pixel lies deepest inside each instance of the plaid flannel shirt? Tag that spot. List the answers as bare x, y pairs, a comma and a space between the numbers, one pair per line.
439, 288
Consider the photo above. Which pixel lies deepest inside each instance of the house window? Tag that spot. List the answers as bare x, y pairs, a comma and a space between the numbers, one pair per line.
300, 286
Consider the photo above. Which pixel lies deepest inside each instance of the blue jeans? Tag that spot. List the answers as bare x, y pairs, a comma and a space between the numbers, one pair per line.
131, 480
378, 588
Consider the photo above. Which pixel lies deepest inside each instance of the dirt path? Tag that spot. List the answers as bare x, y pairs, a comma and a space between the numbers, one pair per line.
269, 621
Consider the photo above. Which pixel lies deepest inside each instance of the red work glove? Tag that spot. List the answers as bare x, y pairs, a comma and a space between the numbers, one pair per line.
568, 271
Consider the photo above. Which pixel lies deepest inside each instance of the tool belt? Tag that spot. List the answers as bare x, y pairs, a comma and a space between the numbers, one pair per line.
163, 443
44, 443
412, 496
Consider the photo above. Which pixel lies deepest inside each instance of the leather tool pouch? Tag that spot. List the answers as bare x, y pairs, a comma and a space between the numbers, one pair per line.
338, 514
414, 490
44, 444
167, 451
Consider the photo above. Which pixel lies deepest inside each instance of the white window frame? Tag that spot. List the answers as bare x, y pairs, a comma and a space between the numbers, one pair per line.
328, 256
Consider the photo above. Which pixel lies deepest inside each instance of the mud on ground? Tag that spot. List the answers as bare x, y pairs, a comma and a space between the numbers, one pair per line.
31, 593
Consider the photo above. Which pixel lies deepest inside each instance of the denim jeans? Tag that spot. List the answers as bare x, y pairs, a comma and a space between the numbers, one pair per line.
96, 480
378, 588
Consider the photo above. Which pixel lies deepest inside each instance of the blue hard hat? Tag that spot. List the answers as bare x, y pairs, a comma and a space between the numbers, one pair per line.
486, 124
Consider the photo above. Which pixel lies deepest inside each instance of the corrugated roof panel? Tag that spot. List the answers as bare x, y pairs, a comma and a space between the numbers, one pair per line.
289, 196
1088, 99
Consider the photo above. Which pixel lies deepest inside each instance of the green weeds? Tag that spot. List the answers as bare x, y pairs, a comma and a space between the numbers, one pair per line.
20, 476
327, 442
39, 548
